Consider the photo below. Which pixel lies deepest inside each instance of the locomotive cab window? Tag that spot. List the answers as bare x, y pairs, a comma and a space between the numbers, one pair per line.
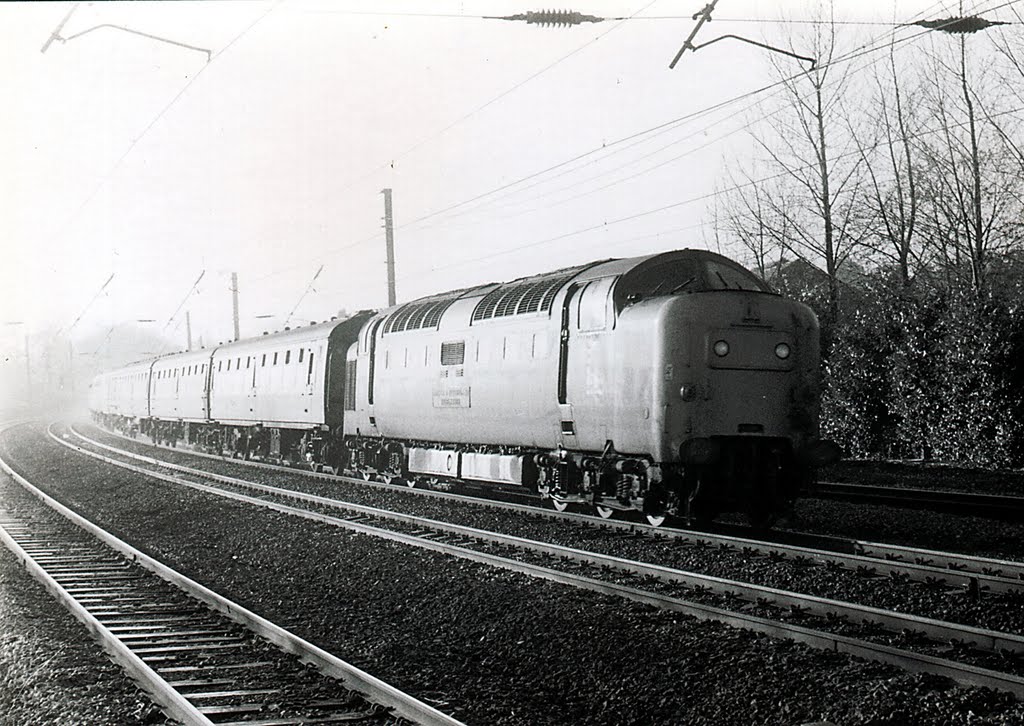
682, 275
593, 306
727, 277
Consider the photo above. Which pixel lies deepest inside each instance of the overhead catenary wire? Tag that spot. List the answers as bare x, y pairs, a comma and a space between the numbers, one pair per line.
871, 46
637, 136
778, 86
609, 148
105, 179
88, 305
177, 310
303, 296
487, 104
691, 200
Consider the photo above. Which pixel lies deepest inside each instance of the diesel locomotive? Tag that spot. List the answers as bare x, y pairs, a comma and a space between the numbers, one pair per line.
674, 383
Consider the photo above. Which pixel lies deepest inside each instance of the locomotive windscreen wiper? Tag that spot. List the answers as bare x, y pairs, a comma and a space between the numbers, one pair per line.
679, 287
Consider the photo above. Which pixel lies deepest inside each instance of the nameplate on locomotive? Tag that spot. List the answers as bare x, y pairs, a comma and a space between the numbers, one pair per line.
451, 397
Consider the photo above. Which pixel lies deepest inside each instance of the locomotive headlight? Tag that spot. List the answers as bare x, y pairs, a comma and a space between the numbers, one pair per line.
721, 348
782, 350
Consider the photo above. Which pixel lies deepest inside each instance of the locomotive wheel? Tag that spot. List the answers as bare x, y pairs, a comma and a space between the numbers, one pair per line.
604, 512
656, 520
367, 476
559, 504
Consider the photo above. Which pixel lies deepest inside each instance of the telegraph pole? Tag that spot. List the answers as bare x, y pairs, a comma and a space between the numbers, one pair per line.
188, 330
389, 234
234, 301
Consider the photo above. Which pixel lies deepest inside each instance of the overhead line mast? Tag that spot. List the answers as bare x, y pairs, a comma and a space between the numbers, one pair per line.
389, 236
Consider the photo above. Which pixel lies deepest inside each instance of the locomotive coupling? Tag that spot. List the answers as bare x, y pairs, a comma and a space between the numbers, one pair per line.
699, 451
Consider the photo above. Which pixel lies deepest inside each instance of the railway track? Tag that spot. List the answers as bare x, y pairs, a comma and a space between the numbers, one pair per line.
202, 658
967, 654
934, 566
993, 506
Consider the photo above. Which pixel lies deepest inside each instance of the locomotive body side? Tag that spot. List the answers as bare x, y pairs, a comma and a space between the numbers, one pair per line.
481, 384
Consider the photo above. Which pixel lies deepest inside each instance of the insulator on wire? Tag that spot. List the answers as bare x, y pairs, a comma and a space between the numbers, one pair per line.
562, 18
970, 24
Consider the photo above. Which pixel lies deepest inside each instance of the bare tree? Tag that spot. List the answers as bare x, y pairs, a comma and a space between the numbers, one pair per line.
891, 193
810, 206
973, 185
747, 218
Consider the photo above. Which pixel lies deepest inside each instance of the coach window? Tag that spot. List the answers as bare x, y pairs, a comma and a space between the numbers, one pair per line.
229, 364
248, 362
287, 357
220, 365
301, 351
275, 359
238, 362
264, 362
309, 372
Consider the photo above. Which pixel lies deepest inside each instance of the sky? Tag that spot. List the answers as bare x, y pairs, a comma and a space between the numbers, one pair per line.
511, 149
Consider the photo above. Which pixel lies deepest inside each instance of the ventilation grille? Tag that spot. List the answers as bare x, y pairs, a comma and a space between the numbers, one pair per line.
418, 315
350, 386
518, 298
453, 353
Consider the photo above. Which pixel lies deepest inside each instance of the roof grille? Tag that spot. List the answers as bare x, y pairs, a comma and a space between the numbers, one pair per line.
524, 296
418, 315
